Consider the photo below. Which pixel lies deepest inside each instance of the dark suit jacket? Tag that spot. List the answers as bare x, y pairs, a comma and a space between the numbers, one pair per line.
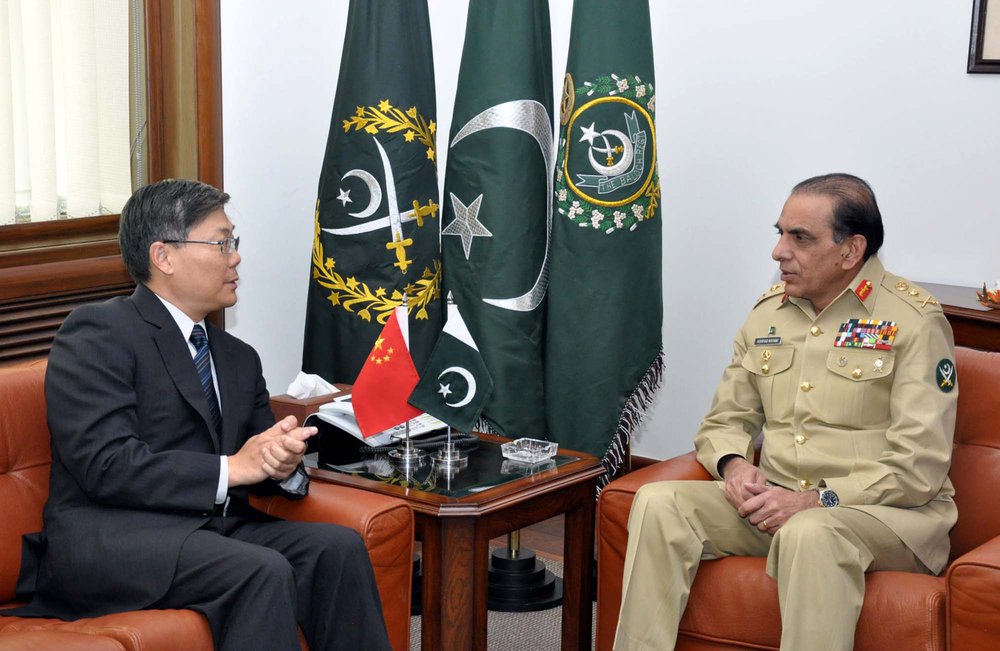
135, 461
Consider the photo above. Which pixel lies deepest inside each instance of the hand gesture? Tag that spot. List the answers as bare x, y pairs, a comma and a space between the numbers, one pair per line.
274, 453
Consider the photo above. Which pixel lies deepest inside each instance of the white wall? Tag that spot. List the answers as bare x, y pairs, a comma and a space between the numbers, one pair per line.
753, 97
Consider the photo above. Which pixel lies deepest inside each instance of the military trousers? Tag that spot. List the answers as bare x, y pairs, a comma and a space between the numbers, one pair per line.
818, 558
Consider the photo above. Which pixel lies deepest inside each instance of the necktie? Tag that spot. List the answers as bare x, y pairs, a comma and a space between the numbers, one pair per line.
203, 362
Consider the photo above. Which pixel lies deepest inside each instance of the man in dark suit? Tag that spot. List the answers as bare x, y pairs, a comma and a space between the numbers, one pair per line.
158, 438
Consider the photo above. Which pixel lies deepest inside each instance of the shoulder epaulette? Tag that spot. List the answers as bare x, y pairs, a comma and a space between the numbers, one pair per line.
775, 290
912, 294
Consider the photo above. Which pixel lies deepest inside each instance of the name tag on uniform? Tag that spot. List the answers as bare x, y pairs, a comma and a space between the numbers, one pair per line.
767, 341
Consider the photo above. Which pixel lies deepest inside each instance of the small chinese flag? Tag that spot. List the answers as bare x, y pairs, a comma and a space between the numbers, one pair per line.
386, 380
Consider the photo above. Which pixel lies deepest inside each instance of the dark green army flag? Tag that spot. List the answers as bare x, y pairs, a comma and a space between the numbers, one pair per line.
497, 202
376, 230
603, 356
454, 384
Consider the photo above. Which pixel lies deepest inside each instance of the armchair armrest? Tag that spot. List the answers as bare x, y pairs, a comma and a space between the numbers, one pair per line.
973, 581
386, 526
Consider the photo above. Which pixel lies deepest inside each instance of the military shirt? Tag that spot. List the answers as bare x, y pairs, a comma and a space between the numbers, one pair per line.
859, 398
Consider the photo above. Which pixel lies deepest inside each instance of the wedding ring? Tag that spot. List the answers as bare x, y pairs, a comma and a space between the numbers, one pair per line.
764, 523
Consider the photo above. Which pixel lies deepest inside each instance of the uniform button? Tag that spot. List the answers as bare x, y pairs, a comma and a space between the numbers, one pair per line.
800, 439
805, 484
765, 369
816, 331
856, 374
806, 386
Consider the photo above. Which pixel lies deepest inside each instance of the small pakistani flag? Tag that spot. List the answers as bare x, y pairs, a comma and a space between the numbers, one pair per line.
377, 220
498, 202
455, 384
603, 357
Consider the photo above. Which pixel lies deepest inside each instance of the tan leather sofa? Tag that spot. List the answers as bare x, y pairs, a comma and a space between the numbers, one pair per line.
734, 605
385, 523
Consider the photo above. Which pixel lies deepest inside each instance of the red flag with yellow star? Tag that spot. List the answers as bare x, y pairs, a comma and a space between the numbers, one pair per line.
386, 380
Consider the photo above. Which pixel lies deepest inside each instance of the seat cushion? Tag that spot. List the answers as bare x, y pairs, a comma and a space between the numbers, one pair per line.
56, 640
734, 602
146, 630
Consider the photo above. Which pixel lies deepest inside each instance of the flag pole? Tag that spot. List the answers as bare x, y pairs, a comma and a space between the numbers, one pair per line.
408, 456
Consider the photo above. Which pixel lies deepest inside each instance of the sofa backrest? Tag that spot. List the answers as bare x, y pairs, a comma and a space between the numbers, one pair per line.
975, 465
25, 457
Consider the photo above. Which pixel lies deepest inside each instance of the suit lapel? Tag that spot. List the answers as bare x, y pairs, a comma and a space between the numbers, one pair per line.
175, 354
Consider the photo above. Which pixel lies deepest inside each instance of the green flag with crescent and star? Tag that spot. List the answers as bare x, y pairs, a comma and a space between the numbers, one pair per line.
377, 220
454, 384
603, 355
497, 202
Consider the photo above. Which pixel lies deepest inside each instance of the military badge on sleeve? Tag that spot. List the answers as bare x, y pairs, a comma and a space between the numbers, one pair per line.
945, 375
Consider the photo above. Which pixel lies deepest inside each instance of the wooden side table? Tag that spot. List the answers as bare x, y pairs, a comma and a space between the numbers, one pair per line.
456, 518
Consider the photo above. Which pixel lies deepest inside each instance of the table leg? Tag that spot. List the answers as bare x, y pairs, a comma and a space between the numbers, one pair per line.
481, 568
578, 546
430, 638
457, 615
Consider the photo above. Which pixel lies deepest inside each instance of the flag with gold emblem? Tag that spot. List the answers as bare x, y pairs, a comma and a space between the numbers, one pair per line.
603, 357
377, 216
498, 202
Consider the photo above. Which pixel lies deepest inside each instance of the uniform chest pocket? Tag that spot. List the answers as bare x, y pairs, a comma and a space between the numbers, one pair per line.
771, 376
860, 387
863, 365
765, 361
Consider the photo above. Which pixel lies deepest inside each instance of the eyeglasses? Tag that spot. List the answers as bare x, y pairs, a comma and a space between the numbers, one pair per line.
227, 245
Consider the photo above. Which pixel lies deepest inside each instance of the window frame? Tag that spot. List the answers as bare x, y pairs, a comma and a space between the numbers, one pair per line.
48, 268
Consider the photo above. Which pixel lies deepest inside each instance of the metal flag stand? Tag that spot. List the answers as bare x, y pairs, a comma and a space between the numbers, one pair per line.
407, 457
450, 457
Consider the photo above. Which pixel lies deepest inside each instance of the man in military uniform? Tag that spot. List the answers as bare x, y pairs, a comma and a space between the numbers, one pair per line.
846, 372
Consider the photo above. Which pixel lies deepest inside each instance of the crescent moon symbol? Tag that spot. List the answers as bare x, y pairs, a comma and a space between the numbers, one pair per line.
620, 166
374, 193
532, 118
470, 394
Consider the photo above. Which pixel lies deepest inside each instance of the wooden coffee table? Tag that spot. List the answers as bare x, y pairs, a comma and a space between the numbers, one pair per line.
457, 516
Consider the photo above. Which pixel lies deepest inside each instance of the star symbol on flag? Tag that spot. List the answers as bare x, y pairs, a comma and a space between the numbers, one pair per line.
445, 390
378, 343
384, 105
344, 197
466, 224
589, 133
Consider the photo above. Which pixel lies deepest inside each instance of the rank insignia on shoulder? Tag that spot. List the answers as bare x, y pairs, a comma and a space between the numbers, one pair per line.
945, 375
866, 333
767, 341
863, 289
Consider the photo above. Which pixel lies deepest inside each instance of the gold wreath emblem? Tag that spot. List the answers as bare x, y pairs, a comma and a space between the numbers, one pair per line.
568, 100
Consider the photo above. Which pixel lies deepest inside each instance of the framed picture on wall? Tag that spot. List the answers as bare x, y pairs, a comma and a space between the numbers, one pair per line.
984, 45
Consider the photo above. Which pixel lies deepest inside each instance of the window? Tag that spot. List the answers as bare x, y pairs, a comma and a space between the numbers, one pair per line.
66, 107
49, 267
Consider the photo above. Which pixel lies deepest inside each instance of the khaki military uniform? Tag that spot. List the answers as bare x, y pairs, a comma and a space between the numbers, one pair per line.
860, 398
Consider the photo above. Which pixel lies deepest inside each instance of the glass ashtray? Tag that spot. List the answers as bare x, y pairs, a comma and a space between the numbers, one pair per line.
529, 450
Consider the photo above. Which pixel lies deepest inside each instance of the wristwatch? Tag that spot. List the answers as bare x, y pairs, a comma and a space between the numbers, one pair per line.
828, 499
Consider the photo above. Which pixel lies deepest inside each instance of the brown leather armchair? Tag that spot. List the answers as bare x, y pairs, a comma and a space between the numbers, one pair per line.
385, 524
734, 604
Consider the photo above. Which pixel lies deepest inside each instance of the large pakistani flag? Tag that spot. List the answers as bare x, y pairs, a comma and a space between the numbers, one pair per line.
603, 358
376, 231
497, 202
